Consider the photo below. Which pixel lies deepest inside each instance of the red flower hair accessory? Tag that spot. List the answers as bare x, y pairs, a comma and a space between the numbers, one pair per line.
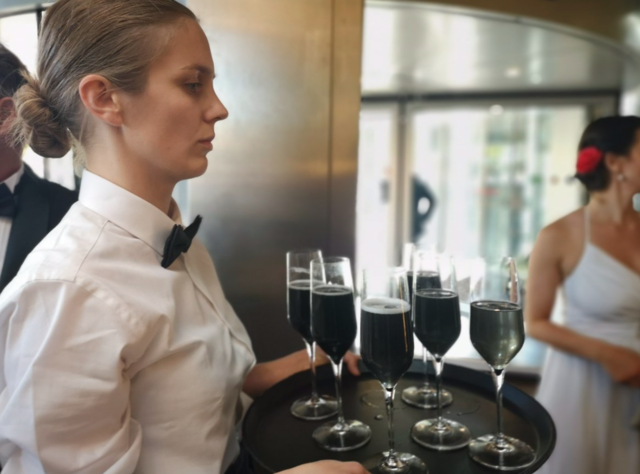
588, 159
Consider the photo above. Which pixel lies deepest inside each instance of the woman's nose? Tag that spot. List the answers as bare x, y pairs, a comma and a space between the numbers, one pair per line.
217, 111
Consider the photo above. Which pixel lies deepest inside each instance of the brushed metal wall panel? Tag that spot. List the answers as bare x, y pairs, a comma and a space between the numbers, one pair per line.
345, 117
267, 187
603, 18
413, 48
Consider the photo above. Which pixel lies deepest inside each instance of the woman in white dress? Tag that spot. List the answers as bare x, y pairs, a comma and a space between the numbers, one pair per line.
591, 379
118, 350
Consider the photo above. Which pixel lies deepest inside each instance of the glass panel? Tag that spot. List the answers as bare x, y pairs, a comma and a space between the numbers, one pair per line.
19, 34
498, 177
375, 216
479, 181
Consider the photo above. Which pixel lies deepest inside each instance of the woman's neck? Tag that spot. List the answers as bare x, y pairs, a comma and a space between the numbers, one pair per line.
147, 184
615, 205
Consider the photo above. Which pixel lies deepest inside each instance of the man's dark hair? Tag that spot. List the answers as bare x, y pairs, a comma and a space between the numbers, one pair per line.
10, 73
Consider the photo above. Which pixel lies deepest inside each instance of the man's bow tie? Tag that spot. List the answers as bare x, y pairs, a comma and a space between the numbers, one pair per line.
8, 202
179, 241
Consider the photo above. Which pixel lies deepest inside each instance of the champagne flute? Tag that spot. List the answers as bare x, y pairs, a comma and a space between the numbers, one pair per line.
497, 333
436, 319
386, 341
419, 396
334, 328
314, 407
422, 396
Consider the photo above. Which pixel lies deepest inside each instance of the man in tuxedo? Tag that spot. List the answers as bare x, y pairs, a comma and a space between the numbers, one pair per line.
29, 206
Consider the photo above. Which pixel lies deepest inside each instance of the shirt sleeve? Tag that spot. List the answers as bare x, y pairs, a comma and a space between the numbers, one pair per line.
64, 389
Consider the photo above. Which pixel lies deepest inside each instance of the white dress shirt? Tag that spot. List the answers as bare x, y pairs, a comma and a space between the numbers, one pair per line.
5, 223
111, 364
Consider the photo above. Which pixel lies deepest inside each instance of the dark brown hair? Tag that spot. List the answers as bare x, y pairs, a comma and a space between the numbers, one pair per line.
117, 39
11, 72
615, 135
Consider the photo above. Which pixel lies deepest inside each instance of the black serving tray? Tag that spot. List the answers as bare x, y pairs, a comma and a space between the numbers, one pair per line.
277, 440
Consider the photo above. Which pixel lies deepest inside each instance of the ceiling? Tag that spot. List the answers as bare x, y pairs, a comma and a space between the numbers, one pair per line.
414, 48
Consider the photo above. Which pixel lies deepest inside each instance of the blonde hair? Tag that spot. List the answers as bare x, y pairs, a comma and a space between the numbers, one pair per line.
117, 39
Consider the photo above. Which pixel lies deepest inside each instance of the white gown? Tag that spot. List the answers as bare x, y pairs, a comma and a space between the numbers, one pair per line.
593, 414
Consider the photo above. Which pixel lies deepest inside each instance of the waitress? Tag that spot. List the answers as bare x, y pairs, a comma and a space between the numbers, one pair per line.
118, 350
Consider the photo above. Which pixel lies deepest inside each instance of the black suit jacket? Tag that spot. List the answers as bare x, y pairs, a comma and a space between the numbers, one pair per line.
41, 206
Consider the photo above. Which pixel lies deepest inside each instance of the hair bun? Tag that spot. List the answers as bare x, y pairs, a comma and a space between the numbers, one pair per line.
37, 124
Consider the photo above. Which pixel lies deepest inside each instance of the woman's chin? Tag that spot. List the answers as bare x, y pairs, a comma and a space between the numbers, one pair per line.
197, 167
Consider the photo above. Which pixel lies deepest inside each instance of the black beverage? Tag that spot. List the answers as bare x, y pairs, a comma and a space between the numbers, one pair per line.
426, 280
333, 319
437, 320
497, 331
386, 338
300, 309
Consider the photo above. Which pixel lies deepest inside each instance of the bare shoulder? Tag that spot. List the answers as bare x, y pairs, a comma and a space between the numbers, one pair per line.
566, 230
560, 244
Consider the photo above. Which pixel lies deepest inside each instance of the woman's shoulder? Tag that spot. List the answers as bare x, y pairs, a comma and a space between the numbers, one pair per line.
71, 268
74, 251
61, 253
561, 243
565, 228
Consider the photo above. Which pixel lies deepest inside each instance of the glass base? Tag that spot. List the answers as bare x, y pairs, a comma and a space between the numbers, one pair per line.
351, 435
515, 454
451, 435
425, 397
306, 409
407, 464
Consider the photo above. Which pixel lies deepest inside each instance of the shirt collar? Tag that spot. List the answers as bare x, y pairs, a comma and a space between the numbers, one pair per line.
13, 180
128, 211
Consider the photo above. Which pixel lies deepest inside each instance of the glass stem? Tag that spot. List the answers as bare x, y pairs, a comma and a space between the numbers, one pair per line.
438, 365
337, 370
498, 380
425, 359
392, 460
311, 350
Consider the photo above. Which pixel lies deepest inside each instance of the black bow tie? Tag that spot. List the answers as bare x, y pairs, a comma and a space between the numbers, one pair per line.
8, 202
179, 241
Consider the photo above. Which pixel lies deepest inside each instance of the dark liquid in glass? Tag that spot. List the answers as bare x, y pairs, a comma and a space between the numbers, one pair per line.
437, 320
426, 280
300, 308
333, 319
497, 331
410, 283
386, 338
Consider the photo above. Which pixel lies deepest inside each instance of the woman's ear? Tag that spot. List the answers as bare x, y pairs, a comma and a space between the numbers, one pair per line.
614, 163
101, 99
7, 109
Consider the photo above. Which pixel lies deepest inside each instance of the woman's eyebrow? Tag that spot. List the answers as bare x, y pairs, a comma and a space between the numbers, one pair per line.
201, 69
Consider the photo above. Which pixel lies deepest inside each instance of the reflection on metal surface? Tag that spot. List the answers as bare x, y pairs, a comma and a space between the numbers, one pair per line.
345, 110
268, 188
415, 48
594, 19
